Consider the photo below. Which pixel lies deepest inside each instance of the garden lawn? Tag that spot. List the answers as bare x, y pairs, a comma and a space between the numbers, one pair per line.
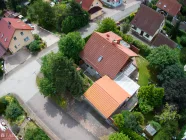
144, 74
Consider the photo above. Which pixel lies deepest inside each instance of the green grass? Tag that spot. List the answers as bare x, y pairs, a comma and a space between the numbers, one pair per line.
144, 74
31, 125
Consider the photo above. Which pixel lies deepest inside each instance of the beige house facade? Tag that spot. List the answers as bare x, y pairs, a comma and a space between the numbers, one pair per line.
99, 5
20, 39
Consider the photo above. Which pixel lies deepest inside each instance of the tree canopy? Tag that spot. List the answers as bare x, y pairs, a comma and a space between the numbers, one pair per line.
43, 13
60, 76
170, 73
12, 111
107, 25
175, 92
35, 134
118, 136
129, 120
71, 45
161, 57
150, 96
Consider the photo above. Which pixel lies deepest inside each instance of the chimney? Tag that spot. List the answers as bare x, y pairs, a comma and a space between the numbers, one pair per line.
115, 42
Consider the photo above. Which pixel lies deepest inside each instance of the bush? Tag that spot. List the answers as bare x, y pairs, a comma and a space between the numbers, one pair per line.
125, 27
183, 41
144, 49
34, 46
128, 38
139, 117
2, 107
36, 37
35, 134
13, 111
118, 136
132, 135
87, 38
155, 124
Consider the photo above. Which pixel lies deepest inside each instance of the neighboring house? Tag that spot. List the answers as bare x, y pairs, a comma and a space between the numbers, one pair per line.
106, 54
168, 7
161, 39
93, 7
113, 3
106, 96
147, 23
5, 132
10, 14
14, 34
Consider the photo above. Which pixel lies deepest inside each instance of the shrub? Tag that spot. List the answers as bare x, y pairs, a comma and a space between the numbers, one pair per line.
118, 136
132, 135
183, 41
144, 49
128, 38
13, 111
87, 38
35, 134
2, 107
139, 117
181, 134
36, 37
34, 46
125, 27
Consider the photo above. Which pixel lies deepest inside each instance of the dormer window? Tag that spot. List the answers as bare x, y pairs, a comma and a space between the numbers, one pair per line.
5, 39
2, 35
100, 58
15, 38
22, 33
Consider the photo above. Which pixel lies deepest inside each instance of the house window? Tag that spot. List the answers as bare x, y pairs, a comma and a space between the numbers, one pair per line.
26, 39
5, 39
15, 38
15, 46
22, 33
147, 35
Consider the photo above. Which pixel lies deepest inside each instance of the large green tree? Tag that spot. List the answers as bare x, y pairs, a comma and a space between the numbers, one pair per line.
161, 57
175, 92
75, 19
71, 45
60, 76
35, 134
43, 13
168, 114
171, 72
2, 5
118, 136
107, 25
150, 96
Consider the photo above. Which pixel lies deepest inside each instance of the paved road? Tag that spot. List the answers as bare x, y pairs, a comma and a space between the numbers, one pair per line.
65, 127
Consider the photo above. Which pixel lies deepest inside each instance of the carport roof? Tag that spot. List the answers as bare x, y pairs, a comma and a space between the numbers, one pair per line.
106, 96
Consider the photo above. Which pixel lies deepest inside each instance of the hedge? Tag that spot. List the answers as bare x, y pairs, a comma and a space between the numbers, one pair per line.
132, 135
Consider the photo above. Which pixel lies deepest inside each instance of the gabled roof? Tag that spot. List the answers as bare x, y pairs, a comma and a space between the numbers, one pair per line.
172, 7
161, 39
106, 96
85, 4
148, 20
8, 27
104, 53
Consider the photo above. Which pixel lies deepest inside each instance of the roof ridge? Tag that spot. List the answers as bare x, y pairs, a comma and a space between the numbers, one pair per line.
107, 92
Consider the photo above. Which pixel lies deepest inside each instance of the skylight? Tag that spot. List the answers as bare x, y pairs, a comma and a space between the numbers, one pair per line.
100, 58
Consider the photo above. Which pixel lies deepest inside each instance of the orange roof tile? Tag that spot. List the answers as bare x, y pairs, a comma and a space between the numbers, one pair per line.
114, 56
106, 96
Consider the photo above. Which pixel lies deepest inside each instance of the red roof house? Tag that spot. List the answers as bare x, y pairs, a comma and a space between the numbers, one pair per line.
12, 28
172, 7
104, 53
94, 7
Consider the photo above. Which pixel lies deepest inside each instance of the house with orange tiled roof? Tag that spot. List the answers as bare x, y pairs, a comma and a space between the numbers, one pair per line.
107, 54
93, 7
106, 96
14, 34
